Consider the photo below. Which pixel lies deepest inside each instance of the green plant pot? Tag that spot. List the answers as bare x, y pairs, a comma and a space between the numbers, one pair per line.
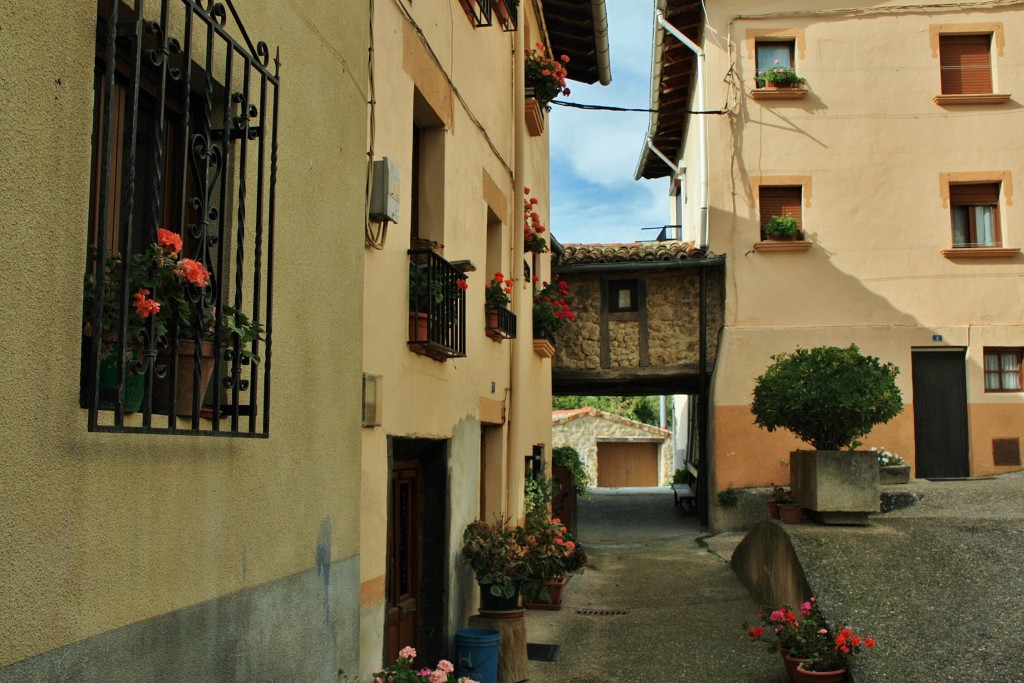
134, 385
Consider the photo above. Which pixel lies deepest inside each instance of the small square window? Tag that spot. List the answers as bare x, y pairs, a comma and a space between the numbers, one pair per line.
780, 202
623, 296
772, 55
1002, 369
974, 213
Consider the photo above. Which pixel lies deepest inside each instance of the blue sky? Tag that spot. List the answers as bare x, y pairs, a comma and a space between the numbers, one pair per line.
594, 153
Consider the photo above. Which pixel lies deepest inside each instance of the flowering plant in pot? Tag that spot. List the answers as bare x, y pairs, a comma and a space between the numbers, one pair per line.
498, 291
402, 671
545, 76
780, 76
794, 635
834, 654
498, 556
533, 229
551, 312
553, 554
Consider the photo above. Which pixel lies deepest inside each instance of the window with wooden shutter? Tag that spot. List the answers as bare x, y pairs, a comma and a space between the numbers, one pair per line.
780, 200
966, 64
974, 209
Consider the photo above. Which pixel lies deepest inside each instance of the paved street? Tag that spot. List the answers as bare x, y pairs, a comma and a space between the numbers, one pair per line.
682, 606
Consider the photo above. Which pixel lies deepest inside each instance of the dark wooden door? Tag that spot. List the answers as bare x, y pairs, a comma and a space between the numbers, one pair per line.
940, 414
401, 619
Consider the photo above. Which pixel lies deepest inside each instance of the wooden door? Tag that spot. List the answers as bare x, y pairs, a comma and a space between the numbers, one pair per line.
627, 464
940, 414
401, 619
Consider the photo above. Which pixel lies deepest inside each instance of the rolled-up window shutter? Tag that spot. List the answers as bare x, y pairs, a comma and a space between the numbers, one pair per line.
780, 200
974, 194
966, 64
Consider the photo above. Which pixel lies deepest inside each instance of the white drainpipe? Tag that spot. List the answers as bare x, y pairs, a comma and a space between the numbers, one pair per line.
702, 126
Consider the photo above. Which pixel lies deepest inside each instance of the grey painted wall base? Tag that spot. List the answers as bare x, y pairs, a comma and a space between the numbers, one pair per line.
277, 632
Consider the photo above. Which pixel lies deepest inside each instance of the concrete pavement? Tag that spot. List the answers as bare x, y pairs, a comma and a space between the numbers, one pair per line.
682, 607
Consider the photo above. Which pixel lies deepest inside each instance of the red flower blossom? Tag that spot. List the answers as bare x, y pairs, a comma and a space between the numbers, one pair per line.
145, 307
171, 241
462, 284
194, 272
755, 632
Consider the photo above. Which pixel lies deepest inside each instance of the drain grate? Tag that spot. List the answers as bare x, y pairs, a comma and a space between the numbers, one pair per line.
542, 652
601, 612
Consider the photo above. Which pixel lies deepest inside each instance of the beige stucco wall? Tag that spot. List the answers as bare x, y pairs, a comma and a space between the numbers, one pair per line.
466, 75
871, 145
583, 433
104, 530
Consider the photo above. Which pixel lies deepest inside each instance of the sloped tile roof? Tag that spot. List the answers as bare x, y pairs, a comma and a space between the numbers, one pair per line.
563, 416
632, 252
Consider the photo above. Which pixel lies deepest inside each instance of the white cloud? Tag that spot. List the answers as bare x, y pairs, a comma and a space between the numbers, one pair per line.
594, 153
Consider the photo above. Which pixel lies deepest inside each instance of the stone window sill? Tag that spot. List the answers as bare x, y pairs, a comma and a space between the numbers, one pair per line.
779, 93
980, 252
782, 245
954, 100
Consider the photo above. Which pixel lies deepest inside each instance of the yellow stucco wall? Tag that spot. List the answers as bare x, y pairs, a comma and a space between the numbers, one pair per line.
103, 530
465, 74
870, 146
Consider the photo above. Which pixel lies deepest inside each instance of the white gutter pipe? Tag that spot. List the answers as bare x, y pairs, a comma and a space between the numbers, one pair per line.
702, 126
604, 66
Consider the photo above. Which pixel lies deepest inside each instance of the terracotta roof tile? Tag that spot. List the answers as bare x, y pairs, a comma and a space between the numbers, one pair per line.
670, 250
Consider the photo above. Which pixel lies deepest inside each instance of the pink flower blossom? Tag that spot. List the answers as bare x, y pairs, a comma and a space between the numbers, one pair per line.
407, 652
439, 677
445, 665
805, 609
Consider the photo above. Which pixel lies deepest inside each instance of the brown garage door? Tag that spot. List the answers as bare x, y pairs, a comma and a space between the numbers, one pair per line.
627, 464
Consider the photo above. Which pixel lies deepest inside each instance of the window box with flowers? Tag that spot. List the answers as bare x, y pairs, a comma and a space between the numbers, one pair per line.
545, 80
551, 313
500, 321
779, 83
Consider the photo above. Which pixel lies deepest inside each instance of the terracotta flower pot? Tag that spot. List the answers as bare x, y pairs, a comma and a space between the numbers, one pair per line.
773, 509
185, 379
805, 676
791, 663
554, 600
791, 514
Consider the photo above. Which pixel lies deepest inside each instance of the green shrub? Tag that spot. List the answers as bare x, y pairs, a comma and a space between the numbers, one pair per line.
782, 227
728, 498
569, 457
827, 396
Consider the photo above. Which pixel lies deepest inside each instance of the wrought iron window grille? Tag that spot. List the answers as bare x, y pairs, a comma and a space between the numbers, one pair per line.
180, 277
507, 12
437, 306
479, 12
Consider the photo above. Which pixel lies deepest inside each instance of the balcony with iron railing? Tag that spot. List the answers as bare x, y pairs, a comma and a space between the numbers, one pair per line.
437, 306
500, 322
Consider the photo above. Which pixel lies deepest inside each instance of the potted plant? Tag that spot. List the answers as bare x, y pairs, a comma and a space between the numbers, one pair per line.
545, 76
551, 313
497, 555
553, 556
829, 397
793, 634
402, 671
831, 656
173, 294
533, 229
430, 300
892, 469
497, 296
779, 76
778, 495
781, 228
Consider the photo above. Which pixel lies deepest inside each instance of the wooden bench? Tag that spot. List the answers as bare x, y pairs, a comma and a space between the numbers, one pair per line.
685, 493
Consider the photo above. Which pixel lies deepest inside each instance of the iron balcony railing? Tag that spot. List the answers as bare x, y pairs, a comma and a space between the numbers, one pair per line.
501, 322
437, 306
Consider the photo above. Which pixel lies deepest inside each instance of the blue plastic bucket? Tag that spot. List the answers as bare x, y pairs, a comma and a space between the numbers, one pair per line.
476, 654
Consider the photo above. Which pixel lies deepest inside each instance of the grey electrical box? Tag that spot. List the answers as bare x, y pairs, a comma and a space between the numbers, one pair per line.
384, 191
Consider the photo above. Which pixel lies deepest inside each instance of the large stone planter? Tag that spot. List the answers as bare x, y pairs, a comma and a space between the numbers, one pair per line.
839, 487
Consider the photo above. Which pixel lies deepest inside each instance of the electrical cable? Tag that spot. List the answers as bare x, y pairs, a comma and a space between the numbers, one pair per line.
606, 107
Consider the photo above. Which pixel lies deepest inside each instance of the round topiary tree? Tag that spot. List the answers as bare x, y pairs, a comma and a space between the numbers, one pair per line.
827, 396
